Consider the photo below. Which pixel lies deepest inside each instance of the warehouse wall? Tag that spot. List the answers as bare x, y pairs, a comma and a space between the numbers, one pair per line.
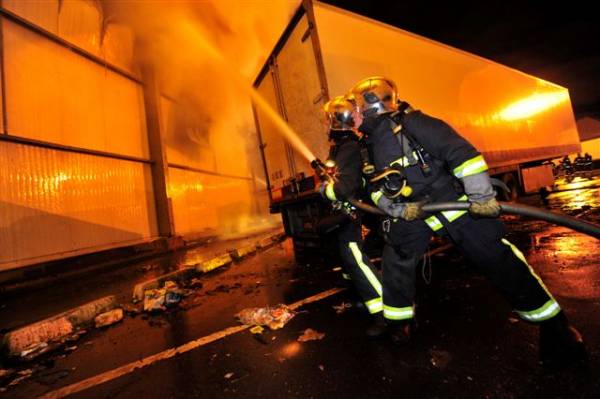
78, 169
74, 158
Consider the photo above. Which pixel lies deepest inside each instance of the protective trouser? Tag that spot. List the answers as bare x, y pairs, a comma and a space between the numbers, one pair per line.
362, 272
482, 242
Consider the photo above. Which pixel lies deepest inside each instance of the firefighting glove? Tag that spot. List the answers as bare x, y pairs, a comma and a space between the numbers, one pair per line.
481, 195
490, 208
408, 211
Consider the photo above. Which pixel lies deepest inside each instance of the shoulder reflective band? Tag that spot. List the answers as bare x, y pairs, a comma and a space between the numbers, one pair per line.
392, 313
330, 193
358, 257
375, 196
471, 167
375, 305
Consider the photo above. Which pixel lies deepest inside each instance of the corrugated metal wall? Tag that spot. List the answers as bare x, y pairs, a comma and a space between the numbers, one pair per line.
76, 150
54, 203
69, 188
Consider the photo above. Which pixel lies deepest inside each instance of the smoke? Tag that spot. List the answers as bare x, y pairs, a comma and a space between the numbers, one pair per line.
205, 55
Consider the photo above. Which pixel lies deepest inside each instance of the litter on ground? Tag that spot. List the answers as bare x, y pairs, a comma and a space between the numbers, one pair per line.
310, 335
274, 317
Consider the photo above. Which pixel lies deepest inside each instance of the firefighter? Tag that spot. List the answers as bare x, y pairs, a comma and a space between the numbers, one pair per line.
422, 159
345, 157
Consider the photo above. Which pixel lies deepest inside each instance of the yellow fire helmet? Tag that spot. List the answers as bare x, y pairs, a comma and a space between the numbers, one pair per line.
338, 112
374, 96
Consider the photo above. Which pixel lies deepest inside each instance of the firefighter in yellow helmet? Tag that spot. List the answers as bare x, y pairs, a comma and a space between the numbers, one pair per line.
345, 156
440, 165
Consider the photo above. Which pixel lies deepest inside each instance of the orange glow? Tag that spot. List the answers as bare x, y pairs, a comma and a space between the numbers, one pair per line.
192, 32
290, 350
533, 105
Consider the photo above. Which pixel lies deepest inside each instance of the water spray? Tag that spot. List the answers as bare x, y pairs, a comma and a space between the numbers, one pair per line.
208, 48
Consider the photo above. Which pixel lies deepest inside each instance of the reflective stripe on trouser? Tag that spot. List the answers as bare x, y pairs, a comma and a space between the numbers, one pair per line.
392, 313
362, 272
482, 241
549, 309
375, 305
369, 274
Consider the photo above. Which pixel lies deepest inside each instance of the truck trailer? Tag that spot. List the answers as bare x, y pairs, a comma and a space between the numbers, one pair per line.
519, 122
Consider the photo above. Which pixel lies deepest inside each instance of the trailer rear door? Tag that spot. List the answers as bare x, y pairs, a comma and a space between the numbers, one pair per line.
291, 83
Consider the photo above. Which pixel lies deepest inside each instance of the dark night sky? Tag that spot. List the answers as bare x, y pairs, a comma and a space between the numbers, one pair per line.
559, 43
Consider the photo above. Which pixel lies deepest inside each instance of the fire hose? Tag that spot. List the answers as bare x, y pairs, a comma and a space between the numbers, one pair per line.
515, 209
581, 226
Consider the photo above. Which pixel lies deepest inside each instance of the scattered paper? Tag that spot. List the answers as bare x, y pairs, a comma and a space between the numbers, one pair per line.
310, 335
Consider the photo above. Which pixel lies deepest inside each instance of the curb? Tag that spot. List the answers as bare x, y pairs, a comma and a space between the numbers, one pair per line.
207, 265
56, 327
241, 252
178, 275
214, 263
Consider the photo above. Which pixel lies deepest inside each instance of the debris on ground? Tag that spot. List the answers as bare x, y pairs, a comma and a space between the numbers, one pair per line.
37, 350
131, 309
73, 337
440, 359
274, 317
321, 367
196, 283
257, 330
161, 298
154, 299
228, 376
22, 376
108, 318
310, 335
341, 308
513, 320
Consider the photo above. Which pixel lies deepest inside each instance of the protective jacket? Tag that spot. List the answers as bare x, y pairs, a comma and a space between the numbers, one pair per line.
433, 156
346, 153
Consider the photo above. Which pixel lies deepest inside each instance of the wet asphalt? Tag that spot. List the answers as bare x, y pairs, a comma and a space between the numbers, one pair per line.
468, 343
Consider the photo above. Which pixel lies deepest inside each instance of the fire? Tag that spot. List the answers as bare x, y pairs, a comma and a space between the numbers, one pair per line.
205, 55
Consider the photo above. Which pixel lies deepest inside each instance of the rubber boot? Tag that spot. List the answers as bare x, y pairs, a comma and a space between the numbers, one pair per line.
377, 328
561, 345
